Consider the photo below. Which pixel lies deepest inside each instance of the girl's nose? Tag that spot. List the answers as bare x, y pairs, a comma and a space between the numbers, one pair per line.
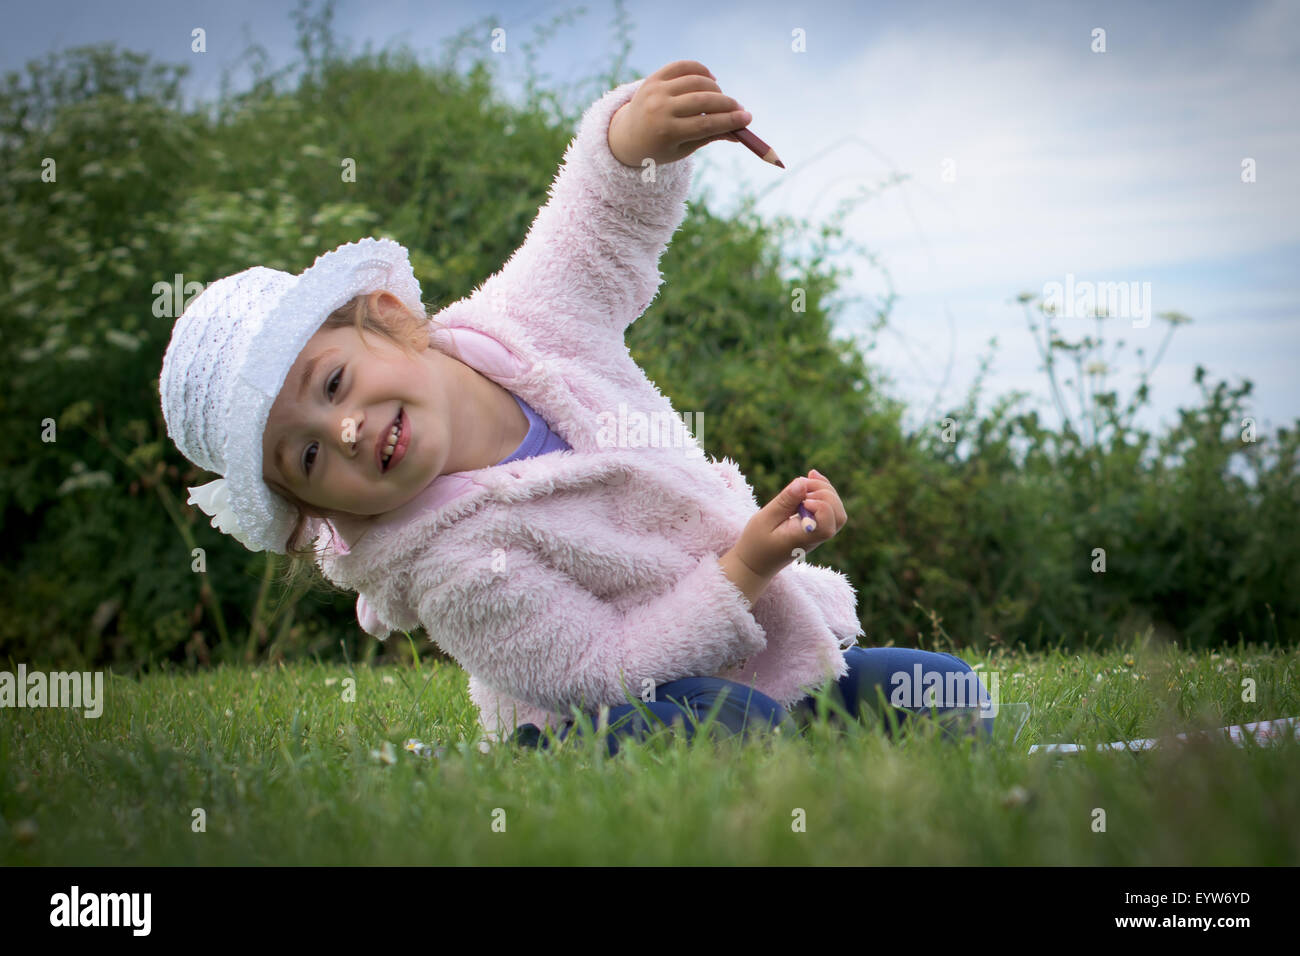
348, 432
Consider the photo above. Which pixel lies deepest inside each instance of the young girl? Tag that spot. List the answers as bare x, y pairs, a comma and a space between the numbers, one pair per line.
485, 474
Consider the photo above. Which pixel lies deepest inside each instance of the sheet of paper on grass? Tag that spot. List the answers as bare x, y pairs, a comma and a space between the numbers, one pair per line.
1264, 732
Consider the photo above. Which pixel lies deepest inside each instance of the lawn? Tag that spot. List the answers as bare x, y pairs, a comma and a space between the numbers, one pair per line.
275, 765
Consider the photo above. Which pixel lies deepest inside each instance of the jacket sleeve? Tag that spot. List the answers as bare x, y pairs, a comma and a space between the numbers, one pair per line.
377, 626
591, 256
531, 631
369, 620
500, 714
835, 597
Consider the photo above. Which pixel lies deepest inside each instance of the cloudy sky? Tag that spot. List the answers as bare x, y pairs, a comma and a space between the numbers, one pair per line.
1029, 156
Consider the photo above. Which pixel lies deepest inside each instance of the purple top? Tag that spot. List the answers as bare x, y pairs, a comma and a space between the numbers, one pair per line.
540, 439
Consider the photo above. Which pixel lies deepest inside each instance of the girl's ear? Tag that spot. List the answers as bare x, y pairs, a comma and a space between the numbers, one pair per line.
387, 304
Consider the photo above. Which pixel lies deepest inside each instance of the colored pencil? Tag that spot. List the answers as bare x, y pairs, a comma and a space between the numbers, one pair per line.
809, 522
758, 147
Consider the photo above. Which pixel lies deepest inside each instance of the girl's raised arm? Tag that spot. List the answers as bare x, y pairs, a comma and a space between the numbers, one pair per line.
590, 260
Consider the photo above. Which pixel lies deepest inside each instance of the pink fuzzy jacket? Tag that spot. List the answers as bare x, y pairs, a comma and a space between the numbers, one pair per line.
576, 578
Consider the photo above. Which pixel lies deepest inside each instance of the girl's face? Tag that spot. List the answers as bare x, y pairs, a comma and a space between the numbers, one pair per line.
335, 412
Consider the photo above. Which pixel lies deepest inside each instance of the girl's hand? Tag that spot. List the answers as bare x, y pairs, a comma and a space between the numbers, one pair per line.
678, 109
775, 535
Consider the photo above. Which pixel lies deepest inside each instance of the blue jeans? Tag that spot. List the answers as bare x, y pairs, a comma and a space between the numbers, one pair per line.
908, 692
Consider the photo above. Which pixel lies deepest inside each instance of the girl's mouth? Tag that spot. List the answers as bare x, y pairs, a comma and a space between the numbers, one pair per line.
399, 437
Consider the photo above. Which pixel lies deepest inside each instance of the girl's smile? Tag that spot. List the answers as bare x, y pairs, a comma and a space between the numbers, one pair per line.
394, 447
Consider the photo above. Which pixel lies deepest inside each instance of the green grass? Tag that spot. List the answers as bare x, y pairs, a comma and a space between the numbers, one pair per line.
282, 767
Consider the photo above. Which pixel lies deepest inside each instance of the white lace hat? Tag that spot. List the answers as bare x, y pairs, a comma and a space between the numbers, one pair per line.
229, 354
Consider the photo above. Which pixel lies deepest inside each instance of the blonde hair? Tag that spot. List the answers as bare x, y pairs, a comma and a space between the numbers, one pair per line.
403, 327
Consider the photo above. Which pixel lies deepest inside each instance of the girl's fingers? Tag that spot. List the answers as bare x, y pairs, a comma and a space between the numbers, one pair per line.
694, 103
823, 502
704, 129
714, 139
695, 83
824, 510
836, 510
680, 68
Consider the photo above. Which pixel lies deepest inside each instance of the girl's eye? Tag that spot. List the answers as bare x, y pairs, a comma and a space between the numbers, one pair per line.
331, 388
